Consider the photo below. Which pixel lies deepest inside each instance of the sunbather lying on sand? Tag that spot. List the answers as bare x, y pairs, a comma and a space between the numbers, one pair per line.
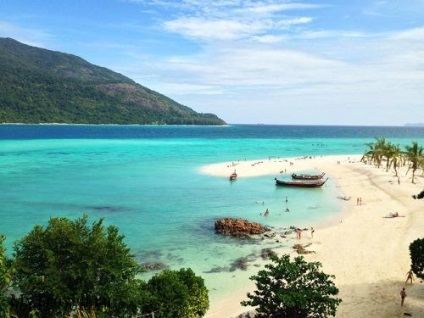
394, 215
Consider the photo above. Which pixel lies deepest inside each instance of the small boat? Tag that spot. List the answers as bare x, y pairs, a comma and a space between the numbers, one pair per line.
233, 176
308, 176
301, 184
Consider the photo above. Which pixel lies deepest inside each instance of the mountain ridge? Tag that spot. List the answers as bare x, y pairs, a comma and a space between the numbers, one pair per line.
44, 86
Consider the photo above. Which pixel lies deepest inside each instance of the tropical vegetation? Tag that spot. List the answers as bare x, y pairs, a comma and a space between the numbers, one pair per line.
416, 250
293, 289
4, 280
70, 268
43, 86
176, 294
382, 151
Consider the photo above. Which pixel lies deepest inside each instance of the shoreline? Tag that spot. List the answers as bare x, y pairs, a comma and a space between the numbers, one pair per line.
367, 253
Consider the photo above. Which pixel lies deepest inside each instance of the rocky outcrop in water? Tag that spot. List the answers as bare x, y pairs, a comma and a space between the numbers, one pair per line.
238, 227
266, 253
300, 249
153, 266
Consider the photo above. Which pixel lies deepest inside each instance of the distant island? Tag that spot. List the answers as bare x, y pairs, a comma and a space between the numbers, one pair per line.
414, 125
44, 86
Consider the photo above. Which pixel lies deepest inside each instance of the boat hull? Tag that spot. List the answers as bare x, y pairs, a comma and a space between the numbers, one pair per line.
301, 184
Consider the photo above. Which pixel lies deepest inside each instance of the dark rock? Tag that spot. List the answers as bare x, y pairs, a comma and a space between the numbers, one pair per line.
300, 249
217, 270
269, 235
240, 263
238, 227
153, 266
267, 252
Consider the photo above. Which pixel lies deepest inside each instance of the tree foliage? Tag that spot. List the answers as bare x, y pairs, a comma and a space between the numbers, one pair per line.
4, 280
416, 250
70, 263
172, 294
76, 269
293, 289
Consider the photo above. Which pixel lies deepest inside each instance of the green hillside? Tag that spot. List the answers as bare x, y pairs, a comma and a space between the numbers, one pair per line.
43, 86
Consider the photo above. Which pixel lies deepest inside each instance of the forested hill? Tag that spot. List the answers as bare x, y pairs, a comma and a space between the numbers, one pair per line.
43, 86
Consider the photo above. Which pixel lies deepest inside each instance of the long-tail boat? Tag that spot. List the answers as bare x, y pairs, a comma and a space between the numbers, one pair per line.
308, 176
233, 176
300, 183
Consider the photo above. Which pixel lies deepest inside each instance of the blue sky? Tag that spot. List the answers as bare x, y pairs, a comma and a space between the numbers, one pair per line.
273, 62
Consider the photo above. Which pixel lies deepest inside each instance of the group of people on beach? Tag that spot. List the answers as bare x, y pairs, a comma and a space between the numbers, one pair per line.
299, 233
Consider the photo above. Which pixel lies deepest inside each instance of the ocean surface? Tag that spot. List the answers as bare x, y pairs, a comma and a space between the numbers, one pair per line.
146, 181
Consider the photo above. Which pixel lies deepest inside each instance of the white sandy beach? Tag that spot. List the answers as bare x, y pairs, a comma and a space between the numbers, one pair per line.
368, 254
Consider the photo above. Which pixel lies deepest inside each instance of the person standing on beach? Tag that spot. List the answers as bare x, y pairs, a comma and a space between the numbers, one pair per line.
410, 276
402, 296
312, 232
299, 233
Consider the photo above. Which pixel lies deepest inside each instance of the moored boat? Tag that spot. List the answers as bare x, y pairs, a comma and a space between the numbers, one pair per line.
233, 176
301, 184
308, 176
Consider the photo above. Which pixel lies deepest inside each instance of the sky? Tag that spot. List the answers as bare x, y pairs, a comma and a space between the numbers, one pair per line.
307, 62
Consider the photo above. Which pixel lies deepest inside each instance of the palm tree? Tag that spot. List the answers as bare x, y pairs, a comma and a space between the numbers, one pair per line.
376, 151
421, 164
382, 150
387, 152
396, 156
415, 155
369, 154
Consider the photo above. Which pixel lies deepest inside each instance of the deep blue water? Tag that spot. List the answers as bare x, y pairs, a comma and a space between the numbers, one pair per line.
146, 181
207, 132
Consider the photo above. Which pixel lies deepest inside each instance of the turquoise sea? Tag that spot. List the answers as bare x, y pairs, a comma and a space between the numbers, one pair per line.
146, 181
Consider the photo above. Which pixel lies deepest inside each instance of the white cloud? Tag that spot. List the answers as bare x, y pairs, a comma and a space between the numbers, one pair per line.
220, 29
277, 57
264, 7
291, 22
269, 38
416, 34
213, 29
256, 65
231, 19
330, 34
387, 77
